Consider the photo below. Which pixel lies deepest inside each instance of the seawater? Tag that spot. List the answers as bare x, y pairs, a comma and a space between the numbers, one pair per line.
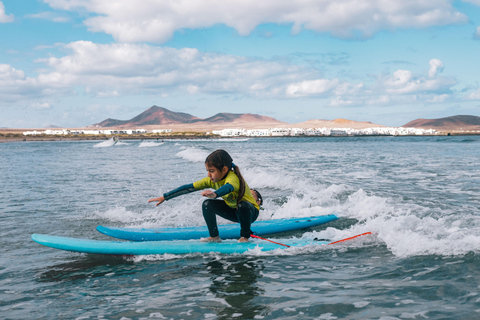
420, 196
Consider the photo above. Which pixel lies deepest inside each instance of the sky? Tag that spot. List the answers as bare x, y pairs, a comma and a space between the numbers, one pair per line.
73, 63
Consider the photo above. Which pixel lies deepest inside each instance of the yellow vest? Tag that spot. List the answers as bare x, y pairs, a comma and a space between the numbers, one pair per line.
230, 198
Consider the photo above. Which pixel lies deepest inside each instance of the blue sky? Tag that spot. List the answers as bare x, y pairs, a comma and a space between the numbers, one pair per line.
73, 63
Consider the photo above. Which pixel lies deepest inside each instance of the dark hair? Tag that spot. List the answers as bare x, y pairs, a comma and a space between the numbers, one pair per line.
259, 196
220, 159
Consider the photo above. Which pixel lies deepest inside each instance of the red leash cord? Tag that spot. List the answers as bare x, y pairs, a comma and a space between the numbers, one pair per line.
346, 239
254, 236
358, 235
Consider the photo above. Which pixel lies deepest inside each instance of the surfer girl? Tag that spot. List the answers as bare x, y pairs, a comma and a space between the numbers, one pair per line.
238, 204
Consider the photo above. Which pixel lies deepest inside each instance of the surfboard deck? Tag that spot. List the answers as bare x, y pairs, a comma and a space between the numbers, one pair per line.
164, 247
227, 231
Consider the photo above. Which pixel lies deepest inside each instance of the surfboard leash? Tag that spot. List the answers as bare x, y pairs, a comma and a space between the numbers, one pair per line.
338, 241
346, 239
254, 236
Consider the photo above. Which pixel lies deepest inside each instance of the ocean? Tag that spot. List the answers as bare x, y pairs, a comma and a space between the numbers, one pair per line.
419, 196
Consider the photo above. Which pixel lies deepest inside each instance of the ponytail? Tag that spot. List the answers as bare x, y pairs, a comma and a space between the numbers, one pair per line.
241, 191
220, 159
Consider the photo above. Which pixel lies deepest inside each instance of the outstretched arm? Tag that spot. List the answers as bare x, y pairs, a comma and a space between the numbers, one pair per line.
158, 200
174, 193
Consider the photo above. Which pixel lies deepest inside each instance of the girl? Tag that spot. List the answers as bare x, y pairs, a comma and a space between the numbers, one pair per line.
238, 204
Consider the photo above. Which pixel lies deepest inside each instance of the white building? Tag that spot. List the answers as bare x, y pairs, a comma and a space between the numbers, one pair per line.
32, 133
339, 132
229, 132
162, 131
275, 132
257, 132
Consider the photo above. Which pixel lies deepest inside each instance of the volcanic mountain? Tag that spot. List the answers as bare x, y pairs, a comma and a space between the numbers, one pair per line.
162, 116
337, 123
456, 123
152, 116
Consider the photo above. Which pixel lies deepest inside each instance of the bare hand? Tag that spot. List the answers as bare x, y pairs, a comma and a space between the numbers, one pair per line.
209, 194
158, 200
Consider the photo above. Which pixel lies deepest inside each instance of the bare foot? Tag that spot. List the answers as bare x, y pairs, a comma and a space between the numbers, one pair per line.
211, 239
243, 239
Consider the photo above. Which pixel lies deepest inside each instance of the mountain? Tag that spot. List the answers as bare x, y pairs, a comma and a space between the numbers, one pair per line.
156, 116
238, 118
337, 123
162, 116
152, 116
460, 122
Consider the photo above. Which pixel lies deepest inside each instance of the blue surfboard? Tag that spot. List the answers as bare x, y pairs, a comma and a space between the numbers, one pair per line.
227, 231
163, 247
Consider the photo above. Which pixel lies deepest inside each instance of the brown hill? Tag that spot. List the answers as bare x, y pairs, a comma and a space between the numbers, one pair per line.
237, 118
152, 116
337, 123
162, 116
454, 123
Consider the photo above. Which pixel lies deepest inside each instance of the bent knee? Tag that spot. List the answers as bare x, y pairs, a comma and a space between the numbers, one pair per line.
244, 205
206, 203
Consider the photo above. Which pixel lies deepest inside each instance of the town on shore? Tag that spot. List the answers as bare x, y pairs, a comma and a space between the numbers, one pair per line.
271, 132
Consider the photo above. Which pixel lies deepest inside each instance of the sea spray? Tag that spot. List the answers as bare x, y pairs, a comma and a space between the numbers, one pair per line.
406, 226
149, 144
192, 154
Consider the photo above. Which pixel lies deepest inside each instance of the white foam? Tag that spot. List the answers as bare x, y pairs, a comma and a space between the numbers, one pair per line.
256, 252
118, 214
193, 154
406, 228
148, 144
105, 144
361, 304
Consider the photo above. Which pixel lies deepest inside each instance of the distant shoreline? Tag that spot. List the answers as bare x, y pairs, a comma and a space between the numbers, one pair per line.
194, 136
14, 138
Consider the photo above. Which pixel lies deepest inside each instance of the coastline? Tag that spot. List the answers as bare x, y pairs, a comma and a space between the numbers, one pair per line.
44, 138
193, 136
203, 131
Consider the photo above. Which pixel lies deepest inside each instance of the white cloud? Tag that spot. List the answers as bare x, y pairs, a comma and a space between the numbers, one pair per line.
107, 94
476, 35
401, 87
474, 95
9, 73
477, 2
438, 98
136, 68
4, 18
51, 16
405, 82
310, 87
15, 86
340, 102
41, 105
435, 67
400, 79
116, 70
157, 20
421, 86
